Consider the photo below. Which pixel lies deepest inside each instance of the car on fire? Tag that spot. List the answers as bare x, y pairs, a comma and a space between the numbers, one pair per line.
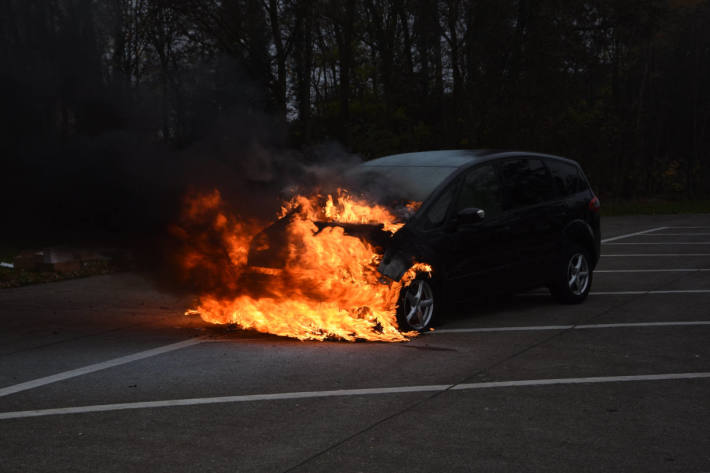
488, 222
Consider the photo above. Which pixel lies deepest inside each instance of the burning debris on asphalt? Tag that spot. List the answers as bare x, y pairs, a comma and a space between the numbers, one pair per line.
312, 275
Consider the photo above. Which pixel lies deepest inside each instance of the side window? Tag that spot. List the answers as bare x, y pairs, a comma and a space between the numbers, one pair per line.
582, 182
566, 178
436, 214
526, 182
481, 188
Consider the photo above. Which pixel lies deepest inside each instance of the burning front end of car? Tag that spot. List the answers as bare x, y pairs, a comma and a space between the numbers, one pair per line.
311, 274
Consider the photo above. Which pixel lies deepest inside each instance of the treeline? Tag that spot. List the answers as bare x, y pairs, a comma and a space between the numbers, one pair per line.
620, 85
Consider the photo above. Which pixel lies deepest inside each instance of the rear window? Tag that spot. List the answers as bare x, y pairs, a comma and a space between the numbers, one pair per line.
566, 177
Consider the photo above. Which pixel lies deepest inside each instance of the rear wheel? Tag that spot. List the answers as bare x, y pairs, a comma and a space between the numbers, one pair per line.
573, 277
417, 305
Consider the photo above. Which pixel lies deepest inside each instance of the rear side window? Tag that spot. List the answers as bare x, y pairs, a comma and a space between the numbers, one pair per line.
566, 177
526, 182
481, 189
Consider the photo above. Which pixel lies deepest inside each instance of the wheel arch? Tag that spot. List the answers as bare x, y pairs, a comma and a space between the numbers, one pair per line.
581, 233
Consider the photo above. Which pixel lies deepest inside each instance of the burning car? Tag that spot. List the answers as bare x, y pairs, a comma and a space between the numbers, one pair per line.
438, 226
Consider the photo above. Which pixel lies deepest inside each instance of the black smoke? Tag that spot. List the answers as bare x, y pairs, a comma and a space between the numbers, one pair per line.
111, 179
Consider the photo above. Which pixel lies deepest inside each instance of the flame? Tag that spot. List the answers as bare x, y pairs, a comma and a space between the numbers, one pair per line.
328, 287
343, 208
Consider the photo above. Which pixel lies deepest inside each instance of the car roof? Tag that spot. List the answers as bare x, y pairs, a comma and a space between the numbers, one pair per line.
454, 158
443, 158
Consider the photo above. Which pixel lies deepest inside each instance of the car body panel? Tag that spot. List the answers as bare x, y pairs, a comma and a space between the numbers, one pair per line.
503, 252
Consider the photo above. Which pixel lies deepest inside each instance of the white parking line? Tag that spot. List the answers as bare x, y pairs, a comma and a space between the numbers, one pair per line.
633, 234
98, 366
621, 293
662, 243
664, 270
597, 379
684, 291
678, 234
536, 328
658, 254
347, 392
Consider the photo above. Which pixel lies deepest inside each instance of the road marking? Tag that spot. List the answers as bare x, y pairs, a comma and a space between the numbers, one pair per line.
611, 293
688, 270
663, 243
597, 379
633, 234
679, 234
660, 254
687, 291
646, 324
569, 327
345, 392
688, 227
35, 383
221, 400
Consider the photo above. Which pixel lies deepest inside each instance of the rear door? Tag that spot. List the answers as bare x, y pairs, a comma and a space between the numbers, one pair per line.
533, 226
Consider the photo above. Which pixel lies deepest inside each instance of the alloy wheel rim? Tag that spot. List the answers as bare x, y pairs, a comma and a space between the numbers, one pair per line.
578, 274
419, 304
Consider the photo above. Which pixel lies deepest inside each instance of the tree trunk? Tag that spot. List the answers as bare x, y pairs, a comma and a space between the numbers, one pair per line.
344, 39
452, 18
280, 86
304, 54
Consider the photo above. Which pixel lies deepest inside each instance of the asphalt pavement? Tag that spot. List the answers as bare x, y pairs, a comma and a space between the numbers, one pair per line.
107, 374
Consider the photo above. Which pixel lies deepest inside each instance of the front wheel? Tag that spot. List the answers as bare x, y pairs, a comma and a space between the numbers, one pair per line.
417, 306
573, 279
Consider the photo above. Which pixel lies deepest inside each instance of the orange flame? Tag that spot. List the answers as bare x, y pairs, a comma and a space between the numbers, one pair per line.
328, 288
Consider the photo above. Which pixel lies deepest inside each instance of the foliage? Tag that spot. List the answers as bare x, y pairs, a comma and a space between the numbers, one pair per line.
621, 86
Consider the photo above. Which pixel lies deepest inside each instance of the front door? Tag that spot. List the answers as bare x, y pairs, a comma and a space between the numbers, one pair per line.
478, 255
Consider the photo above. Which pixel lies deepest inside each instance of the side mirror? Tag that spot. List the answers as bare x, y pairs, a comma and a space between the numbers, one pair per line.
470, 215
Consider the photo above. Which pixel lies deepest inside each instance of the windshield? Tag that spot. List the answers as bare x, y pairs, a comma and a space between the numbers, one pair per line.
389, 184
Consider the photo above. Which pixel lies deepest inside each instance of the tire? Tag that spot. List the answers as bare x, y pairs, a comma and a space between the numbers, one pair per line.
573, 277
418, 305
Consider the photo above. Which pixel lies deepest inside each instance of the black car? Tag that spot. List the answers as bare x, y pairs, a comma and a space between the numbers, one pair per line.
489, 222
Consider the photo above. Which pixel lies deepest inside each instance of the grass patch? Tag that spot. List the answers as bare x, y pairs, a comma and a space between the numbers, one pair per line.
19, 277
8, 253
655, 207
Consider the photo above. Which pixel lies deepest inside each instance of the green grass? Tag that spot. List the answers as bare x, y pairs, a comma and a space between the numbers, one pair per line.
7, 253
654, 207
20, 277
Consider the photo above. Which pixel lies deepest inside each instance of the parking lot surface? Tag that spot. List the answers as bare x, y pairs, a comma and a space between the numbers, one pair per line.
106, 374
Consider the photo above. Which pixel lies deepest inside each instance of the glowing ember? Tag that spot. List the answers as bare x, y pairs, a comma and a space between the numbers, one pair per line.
326, 286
